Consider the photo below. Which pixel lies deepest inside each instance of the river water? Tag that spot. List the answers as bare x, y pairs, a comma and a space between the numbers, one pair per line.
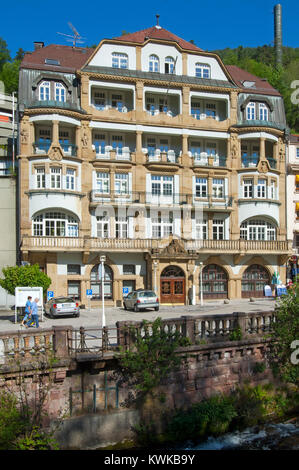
281, 436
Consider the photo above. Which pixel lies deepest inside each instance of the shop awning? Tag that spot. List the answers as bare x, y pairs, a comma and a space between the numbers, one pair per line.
297, 178
297, 206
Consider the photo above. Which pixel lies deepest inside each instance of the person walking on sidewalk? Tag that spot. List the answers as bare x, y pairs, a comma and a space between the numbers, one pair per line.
34, 313
27, 311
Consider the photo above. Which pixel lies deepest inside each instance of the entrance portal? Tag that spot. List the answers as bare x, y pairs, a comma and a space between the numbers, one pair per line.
172, 285
254, 279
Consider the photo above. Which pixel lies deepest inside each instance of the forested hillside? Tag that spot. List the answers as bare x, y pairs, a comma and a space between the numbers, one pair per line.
260, 61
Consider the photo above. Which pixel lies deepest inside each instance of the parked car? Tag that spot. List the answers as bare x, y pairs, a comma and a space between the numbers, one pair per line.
141, 299
59, 306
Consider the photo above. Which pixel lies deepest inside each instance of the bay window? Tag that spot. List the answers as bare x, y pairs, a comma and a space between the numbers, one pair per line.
55, 224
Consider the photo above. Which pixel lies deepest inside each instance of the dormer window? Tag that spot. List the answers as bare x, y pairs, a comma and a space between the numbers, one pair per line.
202, 70
44, 91
263, 112
169, 65
59, 92
119, 60
154, 64
258, 111
250, 111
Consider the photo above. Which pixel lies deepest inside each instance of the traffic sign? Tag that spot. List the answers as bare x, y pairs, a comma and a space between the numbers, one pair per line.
89, 292
125, 290
50, 294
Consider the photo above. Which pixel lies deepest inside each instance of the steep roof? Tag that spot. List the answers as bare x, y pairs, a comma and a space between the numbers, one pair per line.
68, 57
260, 85
157, 33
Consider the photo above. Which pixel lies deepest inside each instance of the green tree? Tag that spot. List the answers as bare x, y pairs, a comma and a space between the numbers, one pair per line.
285, 330
24, 276
4, 53
153, 358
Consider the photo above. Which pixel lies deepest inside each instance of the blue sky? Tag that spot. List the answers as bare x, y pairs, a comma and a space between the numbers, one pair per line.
211, 24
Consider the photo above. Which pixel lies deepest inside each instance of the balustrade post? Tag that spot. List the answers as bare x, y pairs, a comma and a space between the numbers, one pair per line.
189, 327
241, 321
61, 340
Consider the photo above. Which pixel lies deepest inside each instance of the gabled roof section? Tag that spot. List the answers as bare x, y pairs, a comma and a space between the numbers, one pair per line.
156, 32
250, 83
57, 58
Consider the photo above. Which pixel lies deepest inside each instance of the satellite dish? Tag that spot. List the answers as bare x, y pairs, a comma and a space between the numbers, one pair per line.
75, 38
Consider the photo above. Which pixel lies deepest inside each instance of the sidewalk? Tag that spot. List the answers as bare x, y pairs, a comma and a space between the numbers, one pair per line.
93, 317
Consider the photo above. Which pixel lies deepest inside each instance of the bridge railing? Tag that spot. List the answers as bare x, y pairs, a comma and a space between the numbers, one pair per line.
69, 342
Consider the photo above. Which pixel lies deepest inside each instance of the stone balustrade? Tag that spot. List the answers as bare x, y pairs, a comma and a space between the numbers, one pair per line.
69, 342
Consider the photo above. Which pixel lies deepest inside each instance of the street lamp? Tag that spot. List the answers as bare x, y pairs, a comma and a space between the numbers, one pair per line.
201, 293
102, 260
155, 275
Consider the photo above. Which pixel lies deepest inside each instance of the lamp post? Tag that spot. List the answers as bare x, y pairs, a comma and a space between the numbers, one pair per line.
155, 275
201, 293
103, 259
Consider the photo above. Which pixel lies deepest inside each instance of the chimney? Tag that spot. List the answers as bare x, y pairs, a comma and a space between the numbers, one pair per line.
38, 45
278, 34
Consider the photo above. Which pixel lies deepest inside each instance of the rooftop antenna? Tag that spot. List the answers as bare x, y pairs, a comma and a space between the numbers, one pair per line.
75, 38
157, 25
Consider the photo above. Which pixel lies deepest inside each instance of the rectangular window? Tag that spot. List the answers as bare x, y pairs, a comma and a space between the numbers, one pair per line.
211, 110
195, 109
162, 185
117, 144
272, 190
297, 152
119, 60
70, 178
247, 188
55, 178
129, 269
121, 183
201, 227
74, 269
102, 228
59, 92
218, 229
40, 178
121, 227
218, 187
261, 188
201, 187
103, 182
73, 289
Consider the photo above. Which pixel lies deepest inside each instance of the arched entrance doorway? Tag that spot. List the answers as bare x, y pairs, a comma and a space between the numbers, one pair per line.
214, 282
96, 283
172, 285
254, 279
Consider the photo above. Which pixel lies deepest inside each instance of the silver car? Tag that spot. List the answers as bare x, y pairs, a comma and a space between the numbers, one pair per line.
141, 299
59, 306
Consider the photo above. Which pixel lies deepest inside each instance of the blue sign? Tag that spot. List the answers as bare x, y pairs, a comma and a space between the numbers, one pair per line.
50, 294
125, 290
89, 292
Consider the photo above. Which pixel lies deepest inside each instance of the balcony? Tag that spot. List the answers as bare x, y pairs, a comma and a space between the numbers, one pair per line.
157, 155
89, 244
202, 159
42, 148
252, 161
107, 152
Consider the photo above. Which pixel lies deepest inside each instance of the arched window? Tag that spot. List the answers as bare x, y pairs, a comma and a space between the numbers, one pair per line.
254, 279
202, 70
257, 229
55, 224
154, 63
119, 60
250, 111
96, 282
44, 91
169, 65
263, 112
214, 282
59, 92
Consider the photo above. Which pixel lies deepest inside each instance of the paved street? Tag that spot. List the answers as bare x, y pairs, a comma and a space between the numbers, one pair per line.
93, 317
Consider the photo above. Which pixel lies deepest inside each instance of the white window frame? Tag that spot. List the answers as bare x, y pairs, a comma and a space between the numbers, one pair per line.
153, 63
256, 229
55, 224
55, 177
218, 229
218, 188
70, 179
250, 111
201, 229
201, 187
162, 185
121, 227
261, 188
120, 60
202, 70
40, 178
248, 188
60, 92
263, 112
103, 227
44, 90
103, 182
121, 183
169, 65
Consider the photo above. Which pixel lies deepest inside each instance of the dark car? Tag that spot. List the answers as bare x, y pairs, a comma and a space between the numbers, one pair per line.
141, 299
60, 306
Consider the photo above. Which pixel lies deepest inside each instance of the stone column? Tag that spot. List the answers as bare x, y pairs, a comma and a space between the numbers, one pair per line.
262, 148
186, 102
55, 132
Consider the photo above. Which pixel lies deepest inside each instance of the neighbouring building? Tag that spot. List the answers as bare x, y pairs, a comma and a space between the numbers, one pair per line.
293, 203
8, 192
150, 151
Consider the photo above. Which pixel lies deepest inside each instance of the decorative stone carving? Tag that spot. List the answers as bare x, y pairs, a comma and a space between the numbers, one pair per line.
263, 166
55, 153
234, 146
174, 248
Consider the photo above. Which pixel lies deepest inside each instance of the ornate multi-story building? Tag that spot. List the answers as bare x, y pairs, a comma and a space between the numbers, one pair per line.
150, 151
293, 203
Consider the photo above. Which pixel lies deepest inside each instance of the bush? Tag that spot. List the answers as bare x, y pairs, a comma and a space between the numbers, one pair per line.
24, 276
